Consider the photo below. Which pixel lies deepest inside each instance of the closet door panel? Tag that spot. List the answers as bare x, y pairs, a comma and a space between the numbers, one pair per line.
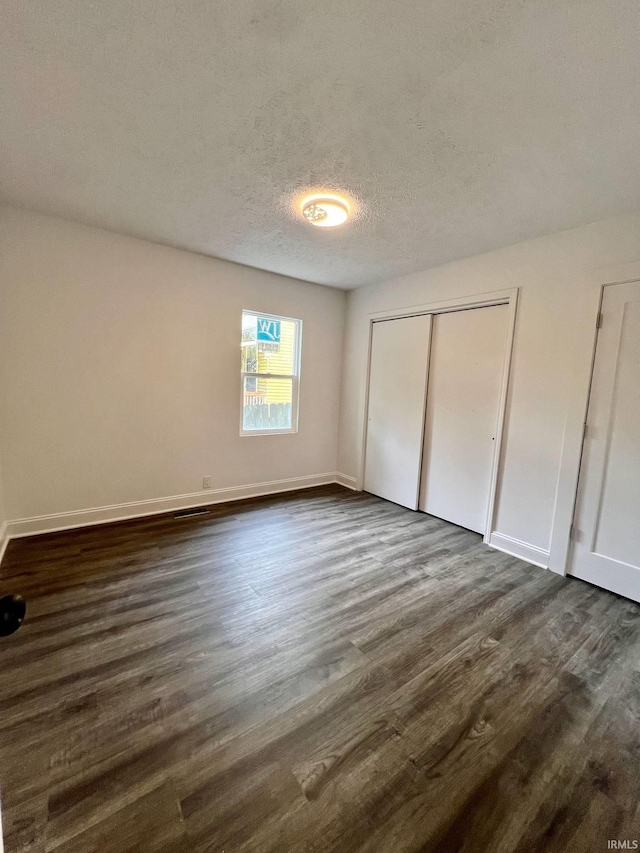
465, 376
395, 418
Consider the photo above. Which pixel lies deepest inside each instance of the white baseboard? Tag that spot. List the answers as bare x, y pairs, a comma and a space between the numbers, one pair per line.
345, 480
4, 541
517, 548
137, 509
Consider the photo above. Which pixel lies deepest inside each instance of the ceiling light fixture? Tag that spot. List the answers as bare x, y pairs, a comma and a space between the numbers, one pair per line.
325, 211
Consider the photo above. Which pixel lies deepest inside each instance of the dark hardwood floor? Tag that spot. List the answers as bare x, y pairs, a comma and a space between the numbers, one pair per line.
321, 671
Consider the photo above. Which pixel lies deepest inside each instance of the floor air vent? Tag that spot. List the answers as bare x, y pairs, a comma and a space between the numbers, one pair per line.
188, 513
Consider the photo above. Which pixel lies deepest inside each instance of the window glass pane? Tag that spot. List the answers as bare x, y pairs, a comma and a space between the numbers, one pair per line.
268, 345
249, 349
266, 403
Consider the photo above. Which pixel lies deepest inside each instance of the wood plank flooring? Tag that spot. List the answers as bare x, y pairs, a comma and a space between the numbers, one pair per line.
321, 671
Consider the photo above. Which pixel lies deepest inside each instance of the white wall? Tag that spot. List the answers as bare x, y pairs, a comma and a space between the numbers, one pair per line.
119, 364
553, 273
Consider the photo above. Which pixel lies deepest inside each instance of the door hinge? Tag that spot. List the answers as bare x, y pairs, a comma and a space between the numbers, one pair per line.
585, 429
599, 320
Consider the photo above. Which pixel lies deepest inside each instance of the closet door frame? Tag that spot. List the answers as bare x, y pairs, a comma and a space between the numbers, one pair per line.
500, 297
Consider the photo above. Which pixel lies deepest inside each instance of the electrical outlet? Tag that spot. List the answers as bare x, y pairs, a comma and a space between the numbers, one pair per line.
206, 482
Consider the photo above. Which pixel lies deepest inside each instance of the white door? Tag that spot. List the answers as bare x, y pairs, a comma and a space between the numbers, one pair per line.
468, 350
606, 535
395, 421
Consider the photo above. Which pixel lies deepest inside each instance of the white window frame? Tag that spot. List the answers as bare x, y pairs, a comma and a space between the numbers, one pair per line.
295, 377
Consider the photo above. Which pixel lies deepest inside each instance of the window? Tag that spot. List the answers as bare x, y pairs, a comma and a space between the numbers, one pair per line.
270, 373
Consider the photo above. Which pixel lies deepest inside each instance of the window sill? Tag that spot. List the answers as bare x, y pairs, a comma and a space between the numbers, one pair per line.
249, 432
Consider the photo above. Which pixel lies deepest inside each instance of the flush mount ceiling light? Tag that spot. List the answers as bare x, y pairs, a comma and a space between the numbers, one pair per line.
325, 211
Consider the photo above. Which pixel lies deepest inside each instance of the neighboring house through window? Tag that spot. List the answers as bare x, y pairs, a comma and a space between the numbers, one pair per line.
270, 373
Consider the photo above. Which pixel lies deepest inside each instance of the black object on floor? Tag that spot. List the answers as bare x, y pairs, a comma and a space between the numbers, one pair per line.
12, 610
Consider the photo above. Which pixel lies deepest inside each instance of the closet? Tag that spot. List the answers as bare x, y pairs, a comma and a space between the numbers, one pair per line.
435, 384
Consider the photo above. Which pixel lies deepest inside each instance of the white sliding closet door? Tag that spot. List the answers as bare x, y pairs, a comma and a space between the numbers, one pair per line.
606, 535
397, 389
463, 398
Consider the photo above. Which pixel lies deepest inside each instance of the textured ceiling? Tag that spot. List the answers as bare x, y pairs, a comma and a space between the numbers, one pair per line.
456, 126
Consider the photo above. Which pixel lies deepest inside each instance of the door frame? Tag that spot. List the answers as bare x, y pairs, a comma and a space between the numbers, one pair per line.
584, 353
463, 303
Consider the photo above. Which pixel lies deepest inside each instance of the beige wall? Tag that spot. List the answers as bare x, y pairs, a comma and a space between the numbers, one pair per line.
3, 537
119, 363
3, 517
552, 273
